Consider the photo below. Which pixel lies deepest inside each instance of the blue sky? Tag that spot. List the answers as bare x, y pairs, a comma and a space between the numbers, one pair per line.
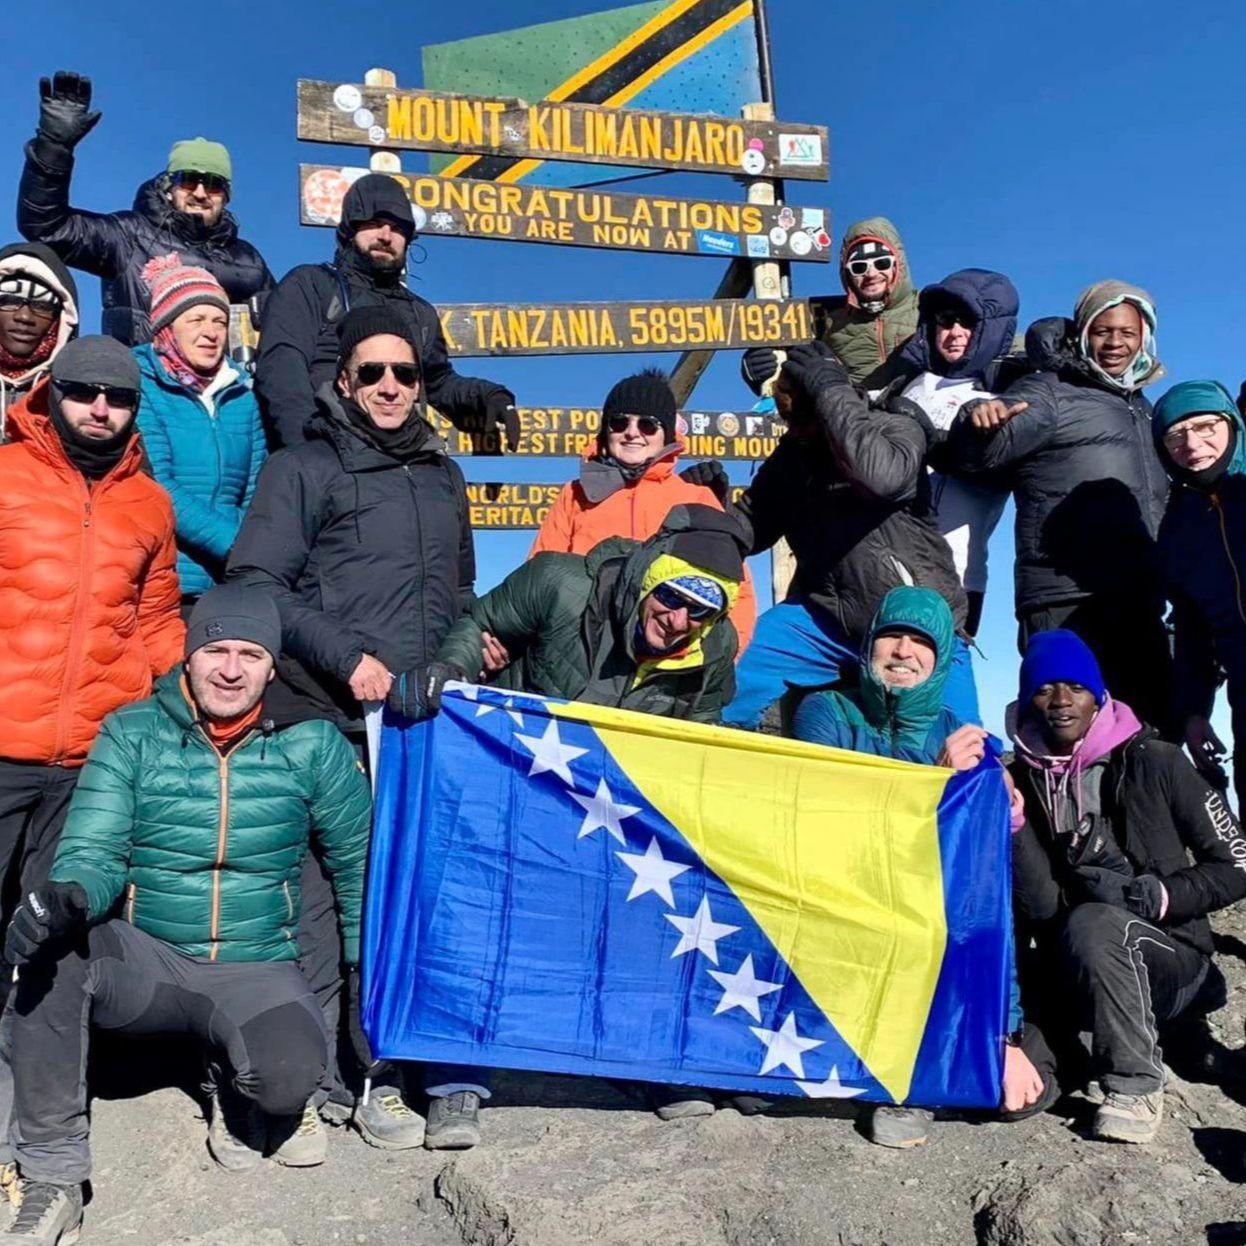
1060, 143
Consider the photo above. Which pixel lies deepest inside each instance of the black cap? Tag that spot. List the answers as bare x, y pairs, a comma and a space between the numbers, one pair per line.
707, 538
361, 323
644, 393
234, 612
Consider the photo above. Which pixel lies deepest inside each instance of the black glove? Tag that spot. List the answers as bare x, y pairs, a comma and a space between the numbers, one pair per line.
757, 366
45, 914
1146, 896
64, 109
810, 368
354, 1022
710, 475
416, 693
500, 409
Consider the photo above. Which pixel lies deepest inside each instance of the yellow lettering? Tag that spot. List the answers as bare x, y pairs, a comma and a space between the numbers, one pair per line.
398, 122
538, 134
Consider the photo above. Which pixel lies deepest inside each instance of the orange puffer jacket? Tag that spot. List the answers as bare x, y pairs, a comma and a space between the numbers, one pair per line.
575, 525
89, 600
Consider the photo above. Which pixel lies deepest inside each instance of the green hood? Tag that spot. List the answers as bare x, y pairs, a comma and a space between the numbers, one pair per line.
1194, 398
881, 228
907, 711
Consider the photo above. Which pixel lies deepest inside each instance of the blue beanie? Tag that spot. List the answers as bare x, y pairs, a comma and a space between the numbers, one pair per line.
1059, 656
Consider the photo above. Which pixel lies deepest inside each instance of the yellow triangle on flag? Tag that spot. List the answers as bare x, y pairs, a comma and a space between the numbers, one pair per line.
834, 854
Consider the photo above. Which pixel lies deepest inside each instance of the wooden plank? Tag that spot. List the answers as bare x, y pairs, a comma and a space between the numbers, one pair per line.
736, 281
497, 507
415, 120
613, 328
470, 208
567, 432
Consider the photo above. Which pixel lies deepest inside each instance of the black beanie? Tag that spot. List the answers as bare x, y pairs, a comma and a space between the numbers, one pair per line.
234, 612
361, 323
645, 393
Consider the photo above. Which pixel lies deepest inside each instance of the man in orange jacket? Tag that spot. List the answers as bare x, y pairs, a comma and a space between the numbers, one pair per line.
628, 484
89, 602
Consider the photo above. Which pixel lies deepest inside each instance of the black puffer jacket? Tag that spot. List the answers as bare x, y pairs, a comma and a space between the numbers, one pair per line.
364, 554
853, 502
299, 339
1161, 812
114, 246
1089, 487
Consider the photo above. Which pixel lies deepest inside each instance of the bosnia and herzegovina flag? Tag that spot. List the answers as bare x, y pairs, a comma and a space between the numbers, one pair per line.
575, 889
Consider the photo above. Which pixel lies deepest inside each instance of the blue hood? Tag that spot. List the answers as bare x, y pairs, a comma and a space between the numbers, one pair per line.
1193, 398
990, 297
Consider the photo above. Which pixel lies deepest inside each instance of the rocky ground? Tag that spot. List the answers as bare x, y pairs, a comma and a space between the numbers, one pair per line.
568, 1162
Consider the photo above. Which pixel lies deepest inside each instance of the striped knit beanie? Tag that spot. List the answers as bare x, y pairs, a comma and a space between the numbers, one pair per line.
176, 287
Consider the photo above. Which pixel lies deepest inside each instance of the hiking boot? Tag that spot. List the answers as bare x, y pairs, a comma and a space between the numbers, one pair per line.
336, 1114
1129, 1118
899, 1127
1094, 1093
679, 1103
386, 1121
50, 1215
10, 1185
299, 1141
237, 1133
453, 1122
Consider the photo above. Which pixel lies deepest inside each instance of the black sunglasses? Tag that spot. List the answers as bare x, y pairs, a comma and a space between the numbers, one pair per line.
645, 423
115, 395
673, 599
406, 374
213, 183
48, 308
950, 316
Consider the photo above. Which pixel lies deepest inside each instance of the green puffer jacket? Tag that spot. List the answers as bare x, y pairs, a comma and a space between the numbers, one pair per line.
865, 341
568, 621
207, 849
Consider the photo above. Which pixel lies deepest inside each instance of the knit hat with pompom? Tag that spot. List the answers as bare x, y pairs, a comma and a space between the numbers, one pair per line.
176, 287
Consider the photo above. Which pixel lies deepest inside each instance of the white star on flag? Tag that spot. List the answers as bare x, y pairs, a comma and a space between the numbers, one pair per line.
700, 931
550, 753
784, 1046
832, 1088
653, 871
472, 693
742, 989
602, 811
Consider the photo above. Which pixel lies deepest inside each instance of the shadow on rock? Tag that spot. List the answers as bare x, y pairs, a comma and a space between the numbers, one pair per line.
1224, 1150
1227, 1233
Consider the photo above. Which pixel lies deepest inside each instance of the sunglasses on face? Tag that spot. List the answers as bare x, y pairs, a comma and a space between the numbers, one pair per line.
644, 423
47, 309
950, 318
858, 268
672, 599
115, 396
406, 374
1200, 430
213, 183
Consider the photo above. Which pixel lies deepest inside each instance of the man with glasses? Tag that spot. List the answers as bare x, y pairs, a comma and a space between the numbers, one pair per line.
298, 349
182, 209
875, 318
362, 536
1202, 544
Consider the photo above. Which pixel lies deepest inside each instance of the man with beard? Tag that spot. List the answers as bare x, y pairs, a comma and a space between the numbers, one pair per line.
182, 209
299, 343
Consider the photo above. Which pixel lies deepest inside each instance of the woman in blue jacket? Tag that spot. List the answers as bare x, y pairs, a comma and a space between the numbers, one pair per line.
198, 417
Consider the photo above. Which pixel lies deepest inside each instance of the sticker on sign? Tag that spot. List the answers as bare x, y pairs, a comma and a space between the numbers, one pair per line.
800, 150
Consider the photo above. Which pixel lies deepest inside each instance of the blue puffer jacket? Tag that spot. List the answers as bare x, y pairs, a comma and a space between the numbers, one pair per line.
208, 464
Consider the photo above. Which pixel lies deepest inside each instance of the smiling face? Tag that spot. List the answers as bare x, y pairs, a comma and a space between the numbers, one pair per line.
1198, 442
1064, 712
381, 377
382, 244
198, 200
228, 677
1115, 338
902, 659
202, 334
639, 440
663, 627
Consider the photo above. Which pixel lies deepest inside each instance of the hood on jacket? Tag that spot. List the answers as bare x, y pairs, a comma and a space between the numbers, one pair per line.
1095, 300
152, 201
880, 229
374, 195
1198, 398
993, 302
920, 610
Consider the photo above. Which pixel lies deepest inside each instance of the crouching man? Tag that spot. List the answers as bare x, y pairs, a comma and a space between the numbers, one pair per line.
173, 907
1125, 851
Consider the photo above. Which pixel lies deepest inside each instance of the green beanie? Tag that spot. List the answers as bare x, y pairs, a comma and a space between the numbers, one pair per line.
200, 155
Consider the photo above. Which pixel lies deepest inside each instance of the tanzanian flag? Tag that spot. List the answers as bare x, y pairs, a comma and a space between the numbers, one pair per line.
669, 55
578, 889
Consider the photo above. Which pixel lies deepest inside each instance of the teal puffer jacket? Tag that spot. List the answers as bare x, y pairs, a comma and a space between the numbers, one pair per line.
207, 849
207, 463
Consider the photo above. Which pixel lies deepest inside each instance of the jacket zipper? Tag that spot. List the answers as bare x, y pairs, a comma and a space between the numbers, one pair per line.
285, 886
74, 649
222, 831
878, 332
1228, 553
129, 907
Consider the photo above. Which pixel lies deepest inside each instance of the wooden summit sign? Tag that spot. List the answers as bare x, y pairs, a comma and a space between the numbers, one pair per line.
469, 208
565, 432
501, 506
613, 328
417, 120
